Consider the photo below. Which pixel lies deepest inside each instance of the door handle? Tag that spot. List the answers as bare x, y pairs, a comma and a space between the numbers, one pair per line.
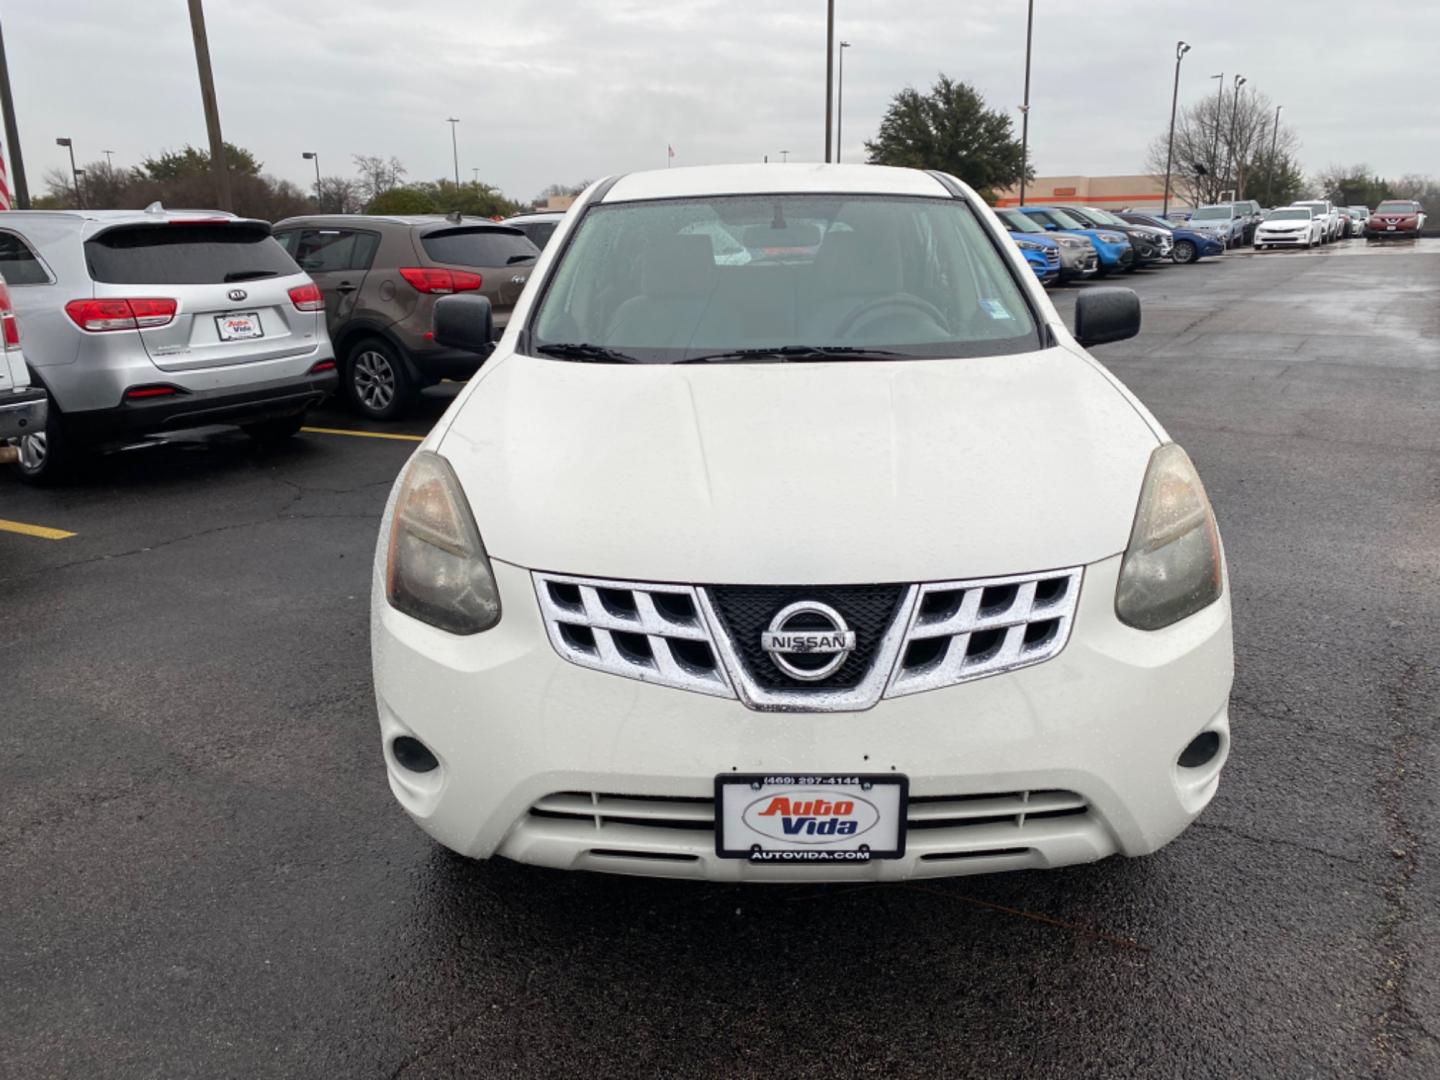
344, 286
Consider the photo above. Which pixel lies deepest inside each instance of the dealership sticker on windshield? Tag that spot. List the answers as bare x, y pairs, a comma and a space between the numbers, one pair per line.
815, 818
996, 309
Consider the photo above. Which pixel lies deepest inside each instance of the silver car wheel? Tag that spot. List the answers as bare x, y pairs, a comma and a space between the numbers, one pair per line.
32, 451
374, 380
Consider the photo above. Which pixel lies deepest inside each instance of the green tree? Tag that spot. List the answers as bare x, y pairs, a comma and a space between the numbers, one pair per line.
192, 161
1353, 185
1276, 181
949, 129
402, 200
474, 198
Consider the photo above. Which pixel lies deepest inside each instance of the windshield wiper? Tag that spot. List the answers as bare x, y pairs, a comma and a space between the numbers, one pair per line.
590, 354
793, 354
249, 275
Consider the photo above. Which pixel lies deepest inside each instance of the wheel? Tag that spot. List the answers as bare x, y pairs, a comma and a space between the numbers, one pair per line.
1184, 252
375, 380
1259, 247
48, 456
275, 431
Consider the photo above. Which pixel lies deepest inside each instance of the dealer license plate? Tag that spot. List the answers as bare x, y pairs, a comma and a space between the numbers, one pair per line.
810, 818
1389, 228
239, 326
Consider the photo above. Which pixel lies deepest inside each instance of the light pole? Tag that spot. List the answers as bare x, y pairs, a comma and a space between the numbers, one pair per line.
218, 165
840, 103
1219, 108
829, 72
1240, 81
454, 148
784, 157
12, 133
1180, 50
1270, 173
108, 155
1025, 108
311, 155
74, 172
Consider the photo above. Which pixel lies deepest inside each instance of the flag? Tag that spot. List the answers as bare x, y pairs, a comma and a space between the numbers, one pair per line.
4, 181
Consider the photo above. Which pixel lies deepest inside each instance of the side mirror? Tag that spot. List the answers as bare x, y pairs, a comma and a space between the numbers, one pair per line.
1050, 226
1106, 315
464, 322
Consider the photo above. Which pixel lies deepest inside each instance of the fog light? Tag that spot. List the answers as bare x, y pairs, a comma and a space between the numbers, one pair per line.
414, 755
1201, 751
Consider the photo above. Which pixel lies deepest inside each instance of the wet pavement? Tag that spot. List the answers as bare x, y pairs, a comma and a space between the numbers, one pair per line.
202, 872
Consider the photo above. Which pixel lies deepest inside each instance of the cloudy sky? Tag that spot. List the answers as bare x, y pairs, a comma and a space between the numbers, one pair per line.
568, 89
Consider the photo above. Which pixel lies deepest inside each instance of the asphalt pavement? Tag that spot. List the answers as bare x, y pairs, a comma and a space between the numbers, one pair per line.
202, 872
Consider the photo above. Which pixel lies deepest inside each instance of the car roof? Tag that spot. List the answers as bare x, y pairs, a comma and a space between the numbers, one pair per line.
321, 220
89, 223
797, 178
538, 215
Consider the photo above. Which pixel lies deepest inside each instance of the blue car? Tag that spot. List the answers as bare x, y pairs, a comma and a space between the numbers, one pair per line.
1190, 245
1111, 246
1077, 254
1042, 253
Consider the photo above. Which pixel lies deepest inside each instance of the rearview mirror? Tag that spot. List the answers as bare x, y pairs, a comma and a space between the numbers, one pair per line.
1106, 315
464, 322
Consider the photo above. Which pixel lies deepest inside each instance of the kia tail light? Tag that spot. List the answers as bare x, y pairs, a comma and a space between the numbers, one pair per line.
439, 281
98, 316
9, 325
307, 297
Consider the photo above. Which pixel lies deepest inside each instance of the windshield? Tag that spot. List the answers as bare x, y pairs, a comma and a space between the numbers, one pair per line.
1018, 222
1213, 213
1064, 220
1300, 214
1395, 208
887, 276
1105, 217
1318, 207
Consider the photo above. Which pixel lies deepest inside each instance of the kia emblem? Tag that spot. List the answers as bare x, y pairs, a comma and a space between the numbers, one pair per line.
238, 294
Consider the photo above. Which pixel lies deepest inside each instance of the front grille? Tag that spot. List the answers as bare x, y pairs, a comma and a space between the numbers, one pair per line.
745, 613
939, 827
907, 638
1052, 257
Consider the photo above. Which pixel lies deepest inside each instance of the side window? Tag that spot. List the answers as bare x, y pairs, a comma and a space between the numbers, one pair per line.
366, 244
18, 264
286, 240
320, 251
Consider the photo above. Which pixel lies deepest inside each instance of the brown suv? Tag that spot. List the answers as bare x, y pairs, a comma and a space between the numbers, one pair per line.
381, 275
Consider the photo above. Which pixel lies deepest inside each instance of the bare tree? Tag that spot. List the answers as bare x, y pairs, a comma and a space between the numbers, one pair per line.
378, 175
1218, 145
340, 195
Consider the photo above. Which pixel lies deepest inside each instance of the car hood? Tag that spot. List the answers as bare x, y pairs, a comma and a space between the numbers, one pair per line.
829, 473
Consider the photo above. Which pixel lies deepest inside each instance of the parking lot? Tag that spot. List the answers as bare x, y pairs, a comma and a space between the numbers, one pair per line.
205, 874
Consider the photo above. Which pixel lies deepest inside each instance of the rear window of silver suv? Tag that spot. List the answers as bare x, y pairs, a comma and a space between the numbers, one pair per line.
186, 254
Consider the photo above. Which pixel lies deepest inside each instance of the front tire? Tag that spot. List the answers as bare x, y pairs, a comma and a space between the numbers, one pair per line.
376, 381
1185, 252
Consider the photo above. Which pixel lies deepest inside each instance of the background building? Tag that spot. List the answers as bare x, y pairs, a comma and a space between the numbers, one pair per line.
1143, 192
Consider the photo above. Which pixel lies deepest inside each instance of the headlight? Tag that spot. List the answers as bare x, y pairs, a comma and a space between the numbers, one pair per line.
437, 569
1070, 241
1112, 238
1029, 245
1172, 566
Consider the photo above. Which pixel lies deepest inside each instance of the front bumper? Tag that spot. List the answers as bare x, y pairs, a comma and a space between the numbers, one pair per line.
22, 412
1300, 239
513, 724
1080, 262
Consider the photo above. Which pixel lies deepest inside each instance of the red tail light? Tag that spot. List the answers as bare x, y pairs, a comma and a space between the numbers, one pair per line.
139, 393
10, 331
434, 279
322, 365
307, 297
98, 316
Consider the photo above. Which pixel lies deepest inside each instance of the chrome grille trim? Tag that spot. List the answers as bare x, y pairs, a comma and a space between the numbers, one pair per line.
955, 664
664, 666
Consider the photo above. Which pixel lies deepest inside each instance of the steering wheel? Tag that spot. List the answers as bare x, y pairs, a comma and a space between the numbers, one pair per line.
866, 309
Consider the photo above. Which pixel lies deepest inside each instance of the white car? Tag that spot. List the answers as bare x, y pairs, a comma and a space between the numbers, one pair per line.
1290, 226
1360, 217
22, 407
846, 565
1324, 209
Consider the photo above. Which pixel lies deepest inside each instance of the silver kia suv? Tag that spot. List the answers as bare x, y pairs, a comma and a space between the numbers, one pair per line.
139, 322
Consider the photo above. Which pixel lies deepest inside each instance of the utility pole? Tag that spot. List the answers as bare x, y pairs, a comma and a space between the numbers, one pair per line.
840, 103
1215, 150
829, 73
218, 165
12, 133
69, 144
1025, 108
454, 148
1270, 173
1230, 151
1180, 50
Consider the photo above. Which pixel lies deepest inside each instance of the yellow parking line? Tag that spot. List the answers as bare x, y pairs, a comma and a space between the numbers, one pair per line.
42, 531
363, 434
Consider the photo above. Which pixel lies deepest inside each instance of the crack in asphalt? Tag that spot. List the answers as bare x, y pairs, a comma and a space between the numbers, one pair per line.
1279, 841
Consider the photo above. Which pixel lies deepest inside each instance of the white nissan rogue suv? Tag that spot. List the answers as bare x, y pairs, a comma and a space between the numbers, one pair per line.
838, 561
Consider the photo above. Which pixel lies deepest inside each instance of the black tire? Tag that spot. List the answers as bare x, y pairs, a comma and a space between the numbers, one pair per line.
47, 457
1184, 252
375, 381
275, 431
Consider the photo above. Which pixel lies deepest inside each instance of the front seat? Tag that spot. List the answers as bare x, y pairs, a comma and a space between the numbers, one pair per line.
677, 286
851, 269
